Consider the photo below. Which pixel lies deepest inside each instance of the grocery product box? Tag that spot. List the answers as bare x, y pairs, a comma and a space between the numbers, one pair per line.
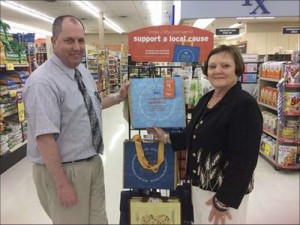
286, 155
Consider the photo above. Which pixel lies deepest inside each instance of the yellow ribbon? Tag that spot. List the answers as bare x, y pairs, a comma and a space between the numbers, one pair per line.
141, 157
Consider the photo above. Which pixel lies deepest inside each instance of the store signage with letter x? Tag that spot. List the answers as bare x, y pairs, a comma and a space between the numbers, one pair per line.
260, 4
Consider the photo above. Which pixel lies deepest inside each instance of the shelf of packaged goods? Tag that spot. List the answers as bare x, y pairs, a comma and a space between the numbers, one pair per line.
268, 106
293, 167
10, 113
269, 79
276, 165
292, 85
17, 146
267, 157
11, 157
270, 134
2, 93
15, 65
293, 113
289, 140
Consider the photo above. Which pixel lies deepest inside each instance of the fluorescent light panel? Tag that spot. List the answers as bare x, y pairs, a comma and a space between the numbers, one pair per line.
253, 18
236, 25
265, 18
26, 28
23, 9
245, 18
113, 26
88, 7
85, 5
155, 8
203, 23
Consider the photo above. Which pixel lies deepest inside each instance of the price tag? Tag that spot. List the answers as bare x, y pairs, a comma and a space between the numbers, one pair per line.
10, 66
21, 111
169, 88
12, 93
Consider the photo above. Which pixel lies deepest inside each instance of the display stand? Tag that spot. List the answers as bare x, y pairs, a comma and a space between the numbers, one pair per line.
182, 190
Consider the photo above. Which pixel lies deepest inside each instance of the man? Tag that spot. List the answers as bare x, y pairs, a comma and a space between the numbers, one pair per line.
65, 130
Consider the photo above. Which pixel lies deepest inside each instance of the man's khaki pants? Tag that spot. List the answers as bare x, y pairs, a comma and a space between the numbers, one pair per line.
88, 179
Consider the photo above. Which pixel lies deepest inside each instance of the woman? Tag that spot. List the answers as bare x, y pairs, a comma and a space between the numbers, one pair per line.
222, 141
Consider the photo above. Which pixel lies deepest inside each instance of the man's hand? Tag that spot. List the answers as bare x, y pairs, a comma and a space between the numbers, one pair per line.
123, 91
67, 195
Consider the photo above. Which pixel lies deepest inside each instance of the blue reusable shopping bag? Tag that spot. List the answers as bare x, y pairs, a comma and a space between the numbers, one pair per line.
136, 177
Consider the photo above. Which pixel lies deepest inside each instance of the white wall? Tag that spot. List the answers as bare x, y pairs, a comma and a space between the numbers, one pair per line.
268, 38
110, 40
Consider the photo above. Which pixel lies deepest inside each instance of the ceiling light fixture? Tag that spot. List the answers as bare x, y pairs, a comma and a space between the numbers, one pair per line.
113, 26
236, 25
95, 12
245, 18
155, 8
203, 23
88, 7
18, 26
265, 18
28, 11
253, 18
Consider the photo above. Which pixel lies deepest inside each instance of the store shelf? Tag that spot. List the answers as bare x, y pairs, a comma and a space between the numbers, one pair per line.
268, 106
10, 113
282, 150
12, 156
270, 134
289, 140
267, 157
18, 151
292, 85
2, 93
291, 113
16, 147
15, 65
269, 79
293, 167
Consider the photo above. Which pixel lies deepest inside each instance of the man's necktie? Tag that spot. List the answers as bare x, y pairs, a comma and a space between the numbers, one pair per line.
96, 133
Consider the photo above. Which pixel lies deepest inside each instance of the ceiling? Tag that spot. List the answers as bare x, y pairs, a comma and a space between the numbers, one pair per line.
129, 15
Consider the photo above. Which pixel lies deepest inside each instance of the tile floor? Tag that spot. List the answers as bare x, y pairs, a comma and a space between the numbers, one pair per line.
275, 199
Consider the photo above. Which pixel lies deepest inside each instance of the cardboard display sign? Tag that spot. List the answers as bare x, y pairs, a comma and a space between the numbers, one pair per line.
158, 43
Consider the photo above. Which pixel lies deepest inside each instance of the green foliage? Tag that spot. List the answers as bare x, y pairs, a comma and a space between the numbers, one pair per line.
10, 45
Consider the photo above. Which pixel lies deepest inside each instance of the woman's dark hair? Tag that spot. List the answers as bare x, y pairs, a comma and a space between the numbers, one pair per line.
232, 50
57, 24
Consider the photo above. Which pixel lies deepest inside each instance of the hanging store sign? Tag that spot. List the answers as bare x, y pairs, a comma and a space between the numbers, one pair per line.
160, 44
291, 30
227, 31
236, 8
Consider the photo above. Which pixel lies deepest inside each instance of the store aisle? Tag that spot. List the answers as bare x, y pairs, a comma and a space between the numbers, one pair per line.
275, 199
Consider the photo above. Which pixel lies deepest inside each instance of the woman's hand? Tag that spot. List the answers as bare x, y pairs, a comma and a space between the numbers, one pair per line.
218, 217
158, 132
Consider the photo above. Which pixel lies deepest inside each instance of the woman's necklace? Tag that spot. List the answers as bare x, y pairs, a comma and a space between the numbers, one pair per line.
214, 100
